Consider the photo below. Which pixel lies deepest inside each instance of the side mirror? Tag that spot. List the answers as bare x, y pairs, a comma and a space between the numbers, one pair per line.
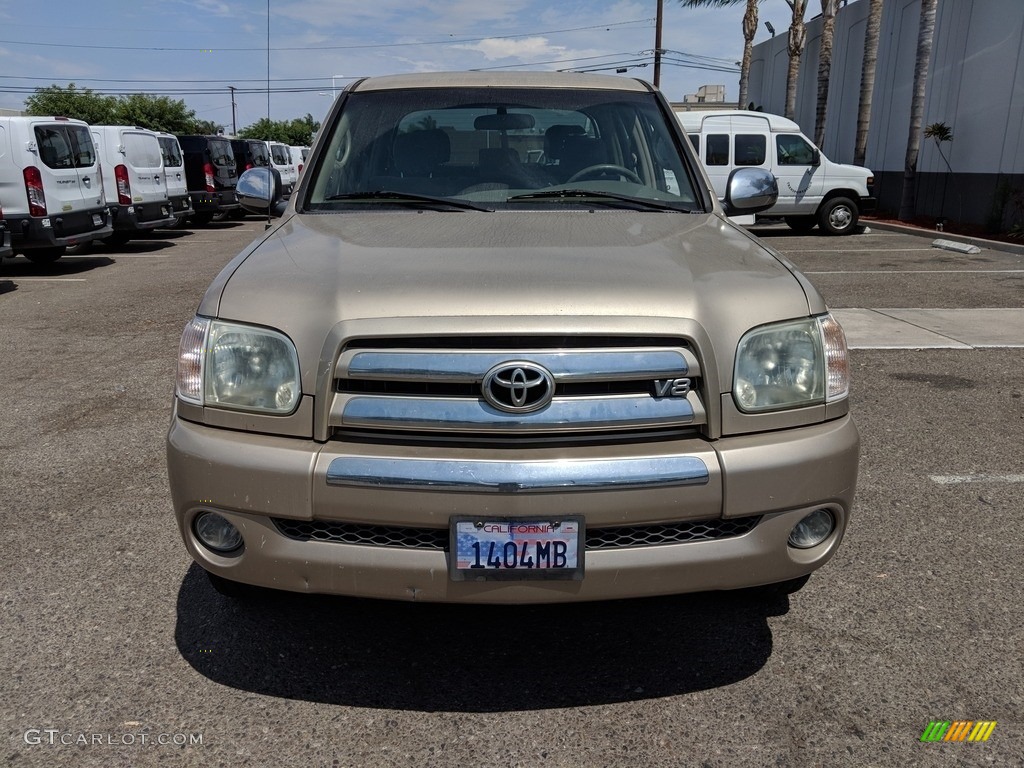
750, 190
816, 157
259, 191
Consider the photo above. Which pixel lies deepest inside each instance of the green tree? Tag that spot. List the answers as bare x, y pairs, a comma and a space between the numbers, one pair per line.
925, 35
749, 29
828, 25
157, 113
795, 44
298, 132
79, 103
867, 80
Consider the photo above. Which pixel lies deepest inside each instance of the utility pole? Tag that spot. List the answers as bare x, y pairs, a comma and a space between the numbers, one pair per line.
234, 125
657, 44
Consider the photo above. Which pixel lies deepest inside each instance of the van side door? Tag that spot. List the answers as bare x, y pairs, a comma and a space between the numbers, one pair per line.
801, 179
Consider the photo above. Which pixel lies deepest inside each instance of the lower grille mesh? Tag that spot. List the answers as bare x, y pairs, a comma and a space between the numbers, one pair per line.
618, 537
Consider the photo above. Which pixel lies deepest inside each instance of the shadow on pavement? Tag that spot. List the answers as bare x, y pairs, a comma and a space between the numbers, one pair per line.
66, 266
6, 286
431, 657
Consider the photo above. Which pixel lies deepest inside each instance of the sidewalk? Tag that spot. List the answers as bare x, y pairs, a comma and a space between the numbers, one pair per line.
932, 328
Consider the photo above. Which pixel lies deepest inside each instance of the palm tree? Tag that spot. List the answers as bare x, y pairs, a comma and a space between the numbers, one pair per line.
925, 34
867, 80
828, 25
749, 29
797, 40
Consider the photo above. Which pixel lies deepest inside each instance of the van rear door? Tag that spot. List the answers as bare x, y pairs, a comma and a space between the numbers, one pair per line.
69, 167
141, 152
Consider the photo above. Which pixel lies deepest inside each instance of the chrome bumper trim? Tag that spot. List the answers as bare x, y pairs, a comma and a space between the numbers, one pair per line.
516, 476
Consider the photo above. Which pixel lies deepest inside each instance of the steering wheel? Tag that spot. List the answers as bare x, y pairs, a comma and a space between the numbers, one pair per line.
603, 168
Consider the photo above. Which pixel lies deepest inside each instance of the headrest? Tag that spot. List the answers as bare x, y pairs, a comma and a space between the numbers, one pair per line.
554, 139
418, 153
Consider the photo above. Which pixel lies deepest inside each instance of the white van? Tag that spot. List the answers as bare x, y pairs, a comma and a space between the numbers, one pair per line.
281, 159
50, 186
174, 176
299, 155
812, 189
133, 178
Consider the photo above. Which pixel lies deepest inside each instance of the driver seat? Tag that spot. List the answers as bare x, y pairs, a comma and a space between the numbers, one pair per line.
579, 152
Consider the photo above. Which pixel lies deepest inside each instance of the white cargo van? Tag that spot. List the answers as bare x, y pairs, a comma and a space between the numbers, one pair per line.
281, 159
50, 186
133, 178
299, 155
812, 189
174, 176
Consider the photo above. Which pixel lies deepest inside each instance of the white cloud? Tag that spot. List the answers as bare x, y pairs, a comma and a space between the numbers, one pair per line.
526, 48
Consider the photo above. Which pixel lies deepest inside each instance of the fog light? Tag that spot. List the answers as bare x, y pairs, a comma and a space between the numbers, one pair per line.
812, 530
217, 533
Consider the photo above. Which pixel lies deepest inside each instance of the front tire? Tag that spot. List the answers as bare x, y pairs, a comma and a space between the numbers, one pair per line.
117, 239
45, 255
838, 216
202, 219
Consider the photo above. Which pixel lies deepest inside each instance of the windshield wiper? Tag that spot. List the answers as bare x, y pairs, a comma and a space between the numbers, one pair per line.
608, 198
411, 199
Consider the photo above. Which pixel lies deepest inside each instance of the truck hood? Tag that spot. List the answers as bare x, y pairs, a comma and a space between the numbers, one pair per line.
545, 272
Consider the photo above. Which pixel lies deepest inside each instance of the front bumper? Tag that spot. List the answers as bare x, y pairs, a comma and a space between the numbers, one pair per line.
252, 479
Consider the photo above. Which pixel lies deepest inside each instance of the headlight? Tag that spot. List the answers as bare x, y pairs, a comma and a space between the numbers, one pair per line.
791, 365
227, 365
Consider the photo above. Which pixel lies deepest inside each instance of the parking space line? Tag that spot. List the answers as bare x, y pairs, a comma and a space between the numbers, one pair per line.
854, 250
917, 272
18, 279
116, 256
964, 479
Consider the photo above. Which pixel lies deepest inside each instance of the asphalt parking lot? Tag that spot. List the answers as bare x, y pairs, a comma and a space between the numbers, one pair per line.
117, 652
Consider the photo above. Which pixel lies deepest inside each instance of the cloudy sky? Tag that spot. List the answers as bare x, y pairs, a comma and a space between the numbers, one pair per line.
194, 49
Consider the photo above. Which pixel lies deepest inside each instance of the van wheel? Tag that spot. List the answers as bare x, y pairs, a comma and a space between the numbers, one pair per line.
202, 219
801, 223
45, 255
838, 216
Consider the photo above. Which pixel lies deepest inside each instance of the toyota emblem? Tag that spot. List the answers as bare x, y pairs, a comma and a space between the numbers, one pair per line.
518, 387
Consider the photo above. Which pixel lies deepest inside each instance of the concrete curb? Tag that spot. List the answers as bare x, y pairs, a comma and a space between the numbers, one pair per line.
995, 245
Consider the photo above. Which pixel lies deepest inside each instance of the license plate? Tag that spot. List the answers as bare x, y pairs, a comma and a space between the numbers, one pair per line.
97, 220
487, 548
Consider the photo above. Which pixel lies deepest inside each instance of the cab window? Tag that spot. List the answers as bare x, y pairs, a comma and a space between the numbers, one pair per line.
794, 150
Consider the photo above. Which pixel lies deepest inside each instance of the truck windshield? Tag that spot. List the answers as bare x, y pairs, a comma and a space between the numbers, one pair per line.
501, 147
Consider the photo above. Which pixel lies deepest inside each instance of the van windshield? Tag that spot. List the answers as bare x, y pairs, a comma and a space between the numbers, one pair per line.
505, 147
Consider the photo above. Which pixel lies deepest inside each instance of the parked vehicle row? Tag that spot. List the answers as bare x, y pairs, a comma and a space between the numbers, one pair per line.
66, 183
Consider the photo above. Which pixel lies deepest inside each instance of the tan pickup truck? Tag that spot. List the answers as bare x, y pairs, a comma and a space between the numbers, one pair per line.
503, 345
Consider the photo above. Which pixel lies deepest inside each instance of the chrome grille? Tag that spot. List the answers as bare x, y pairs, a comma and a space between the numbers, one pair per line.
435, 386
617, 537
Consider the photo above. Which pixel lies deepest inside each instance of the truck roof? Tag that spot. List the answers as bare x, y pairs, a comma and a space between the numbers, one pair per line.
692, 120
501, 79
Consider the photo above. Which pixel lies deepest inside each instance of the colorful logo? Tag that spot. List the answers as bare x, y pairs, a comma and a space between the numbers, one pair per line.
958, 730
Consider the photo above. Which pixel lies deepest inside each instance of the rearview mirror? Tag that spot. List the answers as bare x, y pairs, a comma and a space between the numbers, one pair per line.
750, 190
514, 121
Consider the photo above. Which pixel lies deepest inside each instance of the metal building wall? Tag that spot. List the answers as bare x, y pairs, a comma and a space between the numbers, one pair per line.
976, 87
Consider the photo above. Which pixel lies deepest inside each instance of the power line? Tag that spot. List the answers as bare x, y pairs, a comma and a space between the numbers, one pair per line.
362, 46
